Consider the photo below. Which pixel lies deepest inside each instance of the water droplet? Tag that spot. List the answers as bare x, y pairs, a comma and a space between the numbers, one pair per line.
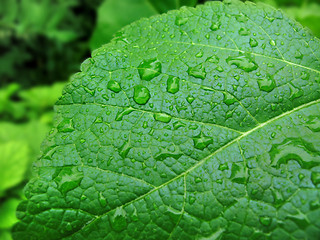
82, 140
253, 42
149, 69
218, 37
305, 75
114, 86
162, 117
181, 20
315, 178
215, 26
223, 166
145, 124
102, 200
190, 99
264, 220
141, 94
198, 180
295, 92
177, 125
199, 54
243, 31
213, 59
313, 123
228, 99
163, 175
67, 179
294, 149
65, 125
298, 55
173, 85
272, 43
301, 176
197, 72
105, 97
201, 141
266, 84
219, 68
271, 19
192, 200
125, 112
315, 204
124, 150
118, 220
242, 62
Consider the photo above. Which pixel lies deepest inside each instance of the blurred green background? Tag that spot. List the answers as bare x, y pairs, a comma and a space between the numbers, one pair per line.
42, 42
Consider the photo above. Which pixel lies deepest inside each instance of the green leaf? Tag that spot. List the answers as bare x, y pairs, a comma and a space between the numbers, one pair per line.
212, 133
115, 14
13, 163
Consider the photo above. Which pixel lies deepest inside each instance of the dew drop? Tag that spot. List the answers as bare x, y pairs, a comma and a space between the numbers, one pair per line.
266, 221
105, 97
243, 32
141, 94
125, 112
114, 86
219, 68
118, 220
163, 175
305, 75
181, 21
243, 63
197, 72
253, 42
218, 37
295, 92
173, 85
228, 99
149, 69
315, 178
215, 26
272, 43
162, 117
223, 166
198, 180
213, 59
301, 176
201, 141
102, 200
266, 84
298, 55
192, 200
190, 99
199, 54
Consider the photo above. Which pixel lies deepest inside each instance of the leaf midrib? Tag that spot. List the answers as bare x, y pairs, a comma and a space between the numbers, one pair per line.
206, 158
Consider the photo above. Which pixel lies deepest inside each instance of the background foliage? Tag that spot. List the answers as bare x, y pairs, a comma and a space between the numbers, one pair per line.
42, 42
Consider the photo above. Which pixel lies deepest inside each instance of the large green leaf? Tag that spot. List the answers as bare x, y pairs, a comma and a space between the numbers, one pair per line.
201, 123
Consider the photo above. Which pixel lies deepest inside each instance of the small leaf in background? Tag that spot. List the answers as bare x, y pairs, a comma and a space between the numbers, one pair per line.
14, 161
8, 213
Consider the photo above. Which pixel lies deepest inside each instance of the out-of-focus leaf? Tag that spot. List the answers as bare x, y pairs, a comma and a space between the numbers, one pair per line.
14, 160
115, 14
308, 15
30, 133
5, 235
42, 97
8, 213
